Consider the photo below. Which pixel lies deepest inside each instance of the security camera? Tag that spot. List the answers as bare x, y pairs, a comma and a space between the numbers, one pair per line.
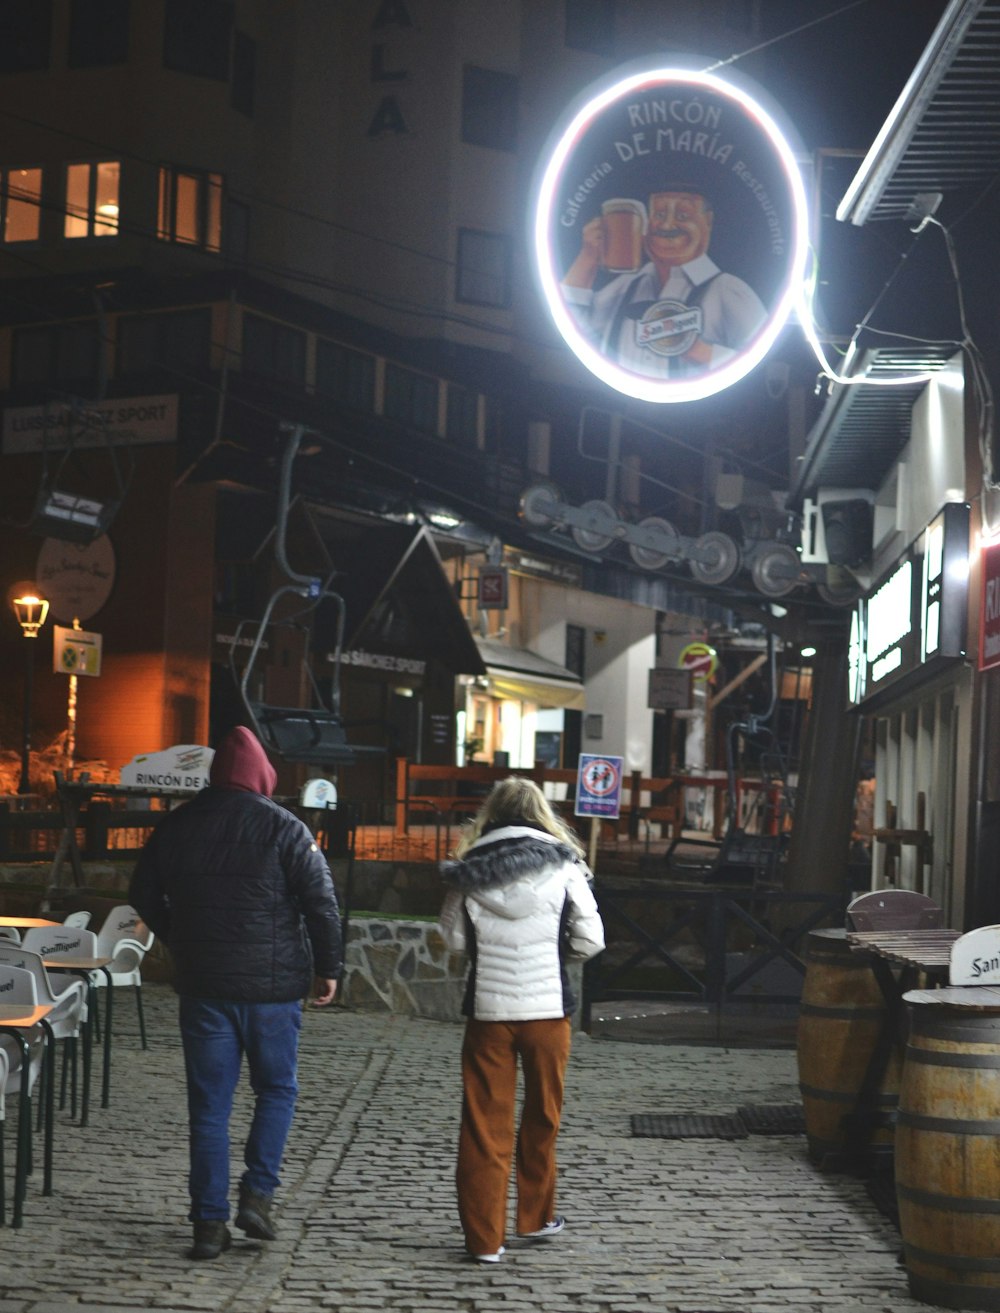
776, 378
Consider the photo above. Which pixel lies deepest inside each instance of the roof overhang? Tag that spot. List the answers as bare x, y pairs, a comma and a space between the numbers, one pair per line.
943, 133
864, 426
520, 675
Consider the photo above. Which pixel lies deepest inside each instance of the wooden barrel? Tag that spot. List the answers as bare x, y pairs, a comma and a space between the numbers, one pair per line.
948, 1151
840, 1016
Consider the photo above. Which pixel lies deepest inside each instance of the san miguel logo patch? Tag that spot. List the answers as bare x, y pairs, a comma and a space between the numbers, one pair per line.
670, 231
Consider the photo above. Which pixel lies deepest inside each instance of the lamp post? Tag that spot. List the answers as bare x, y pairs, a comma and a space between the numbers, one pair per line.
31, 611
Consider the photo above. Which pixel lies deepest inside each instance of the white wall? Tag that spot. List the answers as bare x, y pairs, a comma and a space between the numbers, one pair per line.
620, 650
931, 470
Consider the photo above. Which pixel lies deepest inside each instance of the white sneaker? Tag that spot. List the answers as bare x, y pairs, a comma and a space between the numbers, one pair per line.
490, 1258
549, 1229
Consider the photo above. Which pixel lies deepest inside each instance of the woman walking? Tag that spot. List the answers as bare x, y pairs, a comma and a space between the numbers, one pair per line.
520, 906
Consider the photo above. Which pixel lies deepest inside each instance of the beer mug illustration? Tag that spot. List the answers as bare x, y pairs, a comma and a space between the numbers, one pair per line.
624, 229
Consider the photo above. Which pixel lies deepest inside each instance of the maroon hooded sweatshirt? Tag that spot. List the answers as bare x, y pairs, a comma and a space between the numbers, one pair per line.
241, 763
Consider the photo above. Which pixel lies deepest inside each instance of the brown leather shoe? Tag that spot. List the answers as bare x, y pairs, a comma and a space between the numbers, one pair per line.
254, 1215
211, 1238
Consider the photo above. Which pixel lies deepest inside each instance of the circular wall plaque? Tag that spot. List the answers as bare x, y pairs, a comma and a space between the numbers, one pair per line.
76, 578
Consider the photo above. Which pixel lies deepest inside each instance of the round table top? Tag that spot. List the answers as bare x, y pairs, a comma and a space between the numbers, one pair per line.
27, 922
23, 1014
75, 963
981, 998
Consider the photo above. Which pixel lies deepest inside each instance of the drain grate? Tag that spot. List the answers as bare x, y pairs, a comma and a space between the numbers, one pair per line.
749, 1119
688, 1126
772, 1118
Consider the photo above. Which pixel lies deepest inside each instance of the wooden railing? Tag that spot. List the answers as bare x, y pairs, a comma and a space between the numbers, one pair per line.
424, 792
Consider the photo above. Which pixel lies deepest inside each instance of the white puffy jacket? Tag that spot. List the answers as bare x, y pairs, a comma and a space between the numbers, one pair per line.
521, 906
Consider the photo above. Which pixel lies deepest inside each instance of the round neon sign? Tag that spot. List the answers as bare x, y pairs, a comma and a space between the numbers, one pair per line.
670, 232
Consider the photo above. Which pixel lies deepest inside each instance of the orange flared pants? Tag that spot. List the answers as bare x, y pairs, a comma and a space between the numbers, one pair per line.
490, 1054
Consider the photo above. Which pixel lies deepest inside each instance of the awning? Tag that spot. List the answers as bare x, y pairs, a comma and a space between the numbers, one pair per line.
398, 599
520, 675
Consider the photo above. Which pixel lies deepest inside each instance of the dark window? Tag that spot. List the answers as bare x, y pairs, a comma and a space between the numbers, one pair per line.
411, 398
483, 274
590, 25
273, 350
575, 647
236, 233
462, 419
244, 70
196, 37
492, 423
489, 108
56, 354
345, 375
98, 33
25, 32
178, 340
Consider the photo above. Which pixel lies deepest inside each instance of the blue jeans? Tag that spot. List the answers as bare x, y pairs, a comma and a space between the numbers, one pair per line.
215, 1035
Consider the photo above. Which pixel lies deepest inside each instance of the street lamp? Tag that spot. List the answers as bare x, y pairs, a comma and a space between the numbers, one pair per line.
31, 611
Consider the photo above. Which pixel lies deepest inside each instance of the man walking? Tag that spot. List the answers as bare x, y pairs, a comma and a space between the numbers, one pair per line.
238, 890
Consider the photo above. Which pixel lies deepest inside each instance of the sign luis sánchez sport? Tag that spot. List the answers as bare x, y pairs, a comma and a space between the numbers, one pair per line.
671, 231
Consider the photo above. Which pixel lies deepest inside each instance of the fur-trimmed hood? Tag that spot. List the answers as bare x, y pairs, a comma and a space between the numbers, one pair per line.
506, 868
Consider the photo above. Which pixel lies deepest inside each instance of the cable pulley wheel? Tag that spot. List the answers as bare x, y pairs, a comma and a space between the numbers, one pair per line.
600, 528
538, 505
719, 558
654, 542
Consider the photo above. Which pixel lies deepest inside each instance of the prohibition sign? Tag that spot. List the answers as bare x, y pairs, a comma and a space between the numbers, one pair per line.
600, 777
598, 786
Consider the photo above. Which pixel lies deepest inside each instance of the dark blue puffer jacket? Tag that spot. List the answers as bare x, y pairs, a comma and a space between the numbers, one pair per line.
240, 893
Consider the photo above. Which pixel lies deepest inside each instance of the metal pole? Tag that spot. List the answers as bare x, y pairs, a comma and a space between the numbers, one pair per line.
25, 783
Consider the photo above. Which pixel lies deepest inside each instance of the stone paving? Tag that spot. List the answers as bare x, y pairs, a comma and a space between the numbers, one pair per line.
367, 1211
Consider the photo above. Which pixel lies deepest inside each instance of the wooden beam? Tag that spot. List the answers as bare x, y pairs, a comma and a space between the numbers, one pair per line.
741, 678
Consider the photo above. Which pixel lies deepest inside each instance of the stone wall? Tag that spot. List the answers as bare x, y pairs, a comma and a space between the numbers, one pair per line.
402, 965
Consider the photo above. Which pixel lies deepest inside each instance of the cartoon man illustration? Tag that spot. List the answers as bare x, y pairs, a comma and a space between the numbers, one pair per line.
679, 313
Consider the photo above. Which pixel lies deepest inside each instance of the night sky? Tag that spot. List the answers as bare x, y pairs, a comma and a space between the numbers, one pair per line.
838, 79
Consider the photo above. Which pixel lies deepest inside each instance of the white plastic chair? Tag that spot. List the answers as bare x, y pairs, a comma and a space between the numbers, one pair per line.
79, 919
10, 932
18, 986
126, 939
68, 999
4, 1076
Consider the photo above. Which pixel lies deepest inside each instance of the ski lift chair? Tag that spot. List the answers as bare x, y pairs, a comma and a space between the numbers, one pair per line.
314, 735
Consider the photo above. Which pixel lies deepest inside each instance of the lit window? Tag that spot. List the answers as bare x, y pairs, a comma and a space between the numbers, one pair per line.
483, 275
190, 208
20, 199
92, 199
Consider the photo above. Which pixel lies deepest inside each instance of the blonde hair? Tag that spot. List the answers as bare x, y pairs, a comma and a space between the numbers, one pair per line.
517, 801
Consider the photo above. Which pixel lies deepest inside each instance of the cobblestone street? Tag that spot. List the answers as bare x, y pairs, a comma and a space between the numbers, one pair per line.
367, 1211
